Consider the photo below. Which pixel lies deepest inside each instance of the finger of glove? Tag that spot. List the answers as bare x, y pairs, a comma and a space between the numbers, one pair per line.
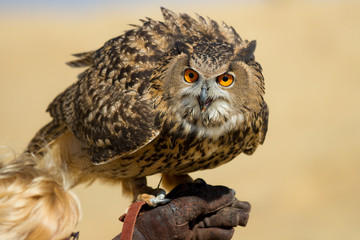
226, 218
212, 234
241, 205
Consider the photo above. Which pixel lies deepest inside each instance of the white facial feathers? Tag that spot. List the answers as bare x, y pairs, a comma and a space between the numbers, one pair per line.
216, 120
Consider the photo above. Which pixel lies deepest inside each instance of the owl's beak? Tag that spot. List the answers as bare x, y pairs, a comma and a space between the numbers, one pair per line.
204, 100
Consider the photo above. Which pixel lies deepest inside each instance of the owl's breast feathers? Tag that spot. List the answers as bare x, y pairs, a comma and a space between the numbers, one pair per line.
110, 108
179, 151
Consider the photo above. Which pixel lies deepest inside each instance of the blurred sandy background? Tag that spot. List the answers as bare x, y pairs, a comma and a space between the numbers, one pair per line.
302, 184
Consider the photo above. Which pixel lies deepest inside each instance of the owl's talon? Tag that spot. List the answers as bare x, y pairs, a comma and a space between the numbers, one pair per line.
153, 201
158, 200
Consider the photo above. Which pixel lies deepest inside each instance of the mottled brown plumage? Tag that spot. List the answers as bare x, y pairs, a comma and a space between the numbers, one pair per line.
131, 113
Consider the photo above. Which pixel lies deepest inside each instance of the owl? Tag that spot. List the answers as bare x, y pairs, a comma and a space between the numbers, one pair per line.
170, 97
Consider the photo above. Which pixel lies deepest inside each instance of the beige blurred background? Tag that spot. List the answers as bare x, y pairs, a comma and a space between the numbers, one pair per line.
303, 183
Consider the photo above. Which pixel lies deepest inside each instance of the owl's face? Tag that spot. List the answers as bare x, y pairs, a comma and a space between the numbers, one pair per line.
211, 88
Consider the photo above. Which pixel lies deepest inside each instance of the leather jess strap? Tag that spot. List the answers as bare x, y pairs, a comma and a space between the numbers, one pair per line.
130, 220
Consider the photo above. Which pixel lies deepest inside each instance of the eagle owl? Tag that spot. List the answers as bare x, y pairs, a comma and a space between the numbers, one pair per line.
167, 97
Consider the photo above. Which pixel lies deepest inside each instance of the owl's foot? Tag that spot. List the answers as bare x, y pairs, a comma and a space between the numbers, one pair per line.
141, 192
152, 200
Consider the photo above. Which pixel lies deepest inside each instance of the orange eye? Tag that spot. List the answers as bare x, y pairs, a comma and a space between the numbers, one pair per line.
225, 80
190, 75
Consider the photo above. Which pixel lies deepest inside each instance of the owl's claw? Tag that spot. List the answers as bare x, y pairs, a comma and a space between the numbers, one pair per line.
158, 200
152, 200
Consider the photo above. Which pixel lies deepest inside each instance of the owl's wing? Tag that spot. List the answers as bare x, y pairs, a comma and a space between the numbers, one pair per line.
259, 127
109, 108
110, 121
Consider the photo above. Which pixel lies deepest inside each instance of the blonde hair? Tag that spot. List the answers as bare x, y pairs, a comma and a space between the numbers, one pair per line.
34, 202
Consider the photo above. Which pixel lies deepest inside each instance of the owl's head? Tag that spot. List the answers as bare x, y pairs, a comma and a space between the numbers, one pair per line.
211, 86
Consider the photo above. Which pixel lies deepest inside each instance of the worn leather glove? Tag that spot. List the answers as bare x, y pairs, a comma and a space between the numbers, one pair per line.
197, 211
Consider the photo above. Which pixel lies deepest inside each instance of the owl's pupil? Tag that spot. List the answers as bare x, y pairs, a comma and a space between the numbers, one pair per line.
191, 75
225, 78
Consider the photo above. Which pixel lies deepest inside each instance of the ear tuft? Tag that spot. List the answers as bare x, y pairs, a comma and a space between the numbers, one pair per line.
247, 52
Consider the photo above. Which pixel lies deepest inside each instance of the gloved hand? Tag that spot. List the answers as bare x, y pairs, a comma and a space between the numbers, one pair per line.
196, 211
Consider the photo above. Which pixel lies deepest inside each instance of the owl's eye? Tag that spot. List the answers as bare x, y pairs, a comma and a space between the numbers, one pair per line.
190, 75
225, 80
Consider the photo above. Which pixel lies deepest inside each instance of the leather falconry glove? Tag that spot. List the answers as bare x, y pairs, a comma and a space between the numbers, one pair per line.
197, 211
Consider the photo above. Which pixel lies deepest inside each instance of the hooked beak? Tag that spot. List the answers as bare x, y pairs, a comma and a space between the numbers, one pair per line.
204, 100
